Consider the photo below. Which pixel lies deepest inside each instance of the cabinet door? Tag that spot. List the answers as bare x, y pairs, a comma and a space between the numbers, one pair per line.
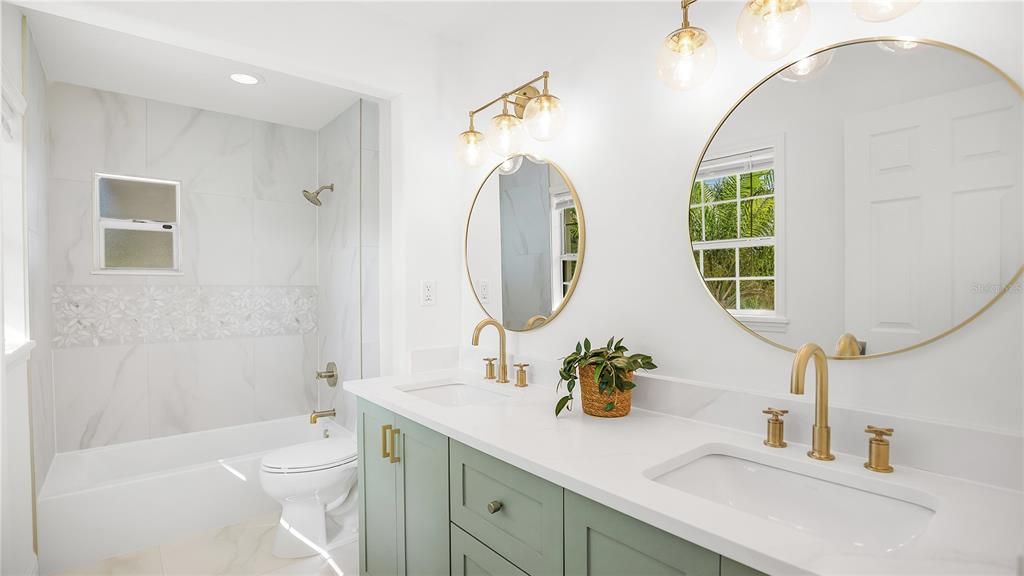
734, 568
378, 507
422, 500
600, 541
472, 558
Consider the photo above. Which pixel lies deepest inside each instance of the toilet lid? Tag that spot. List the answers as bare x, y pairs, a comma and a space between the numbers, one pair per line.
311, 456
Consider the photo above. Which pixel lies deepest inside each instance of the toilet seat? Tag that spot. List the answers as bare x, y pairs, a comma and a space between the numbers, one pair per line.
310, 457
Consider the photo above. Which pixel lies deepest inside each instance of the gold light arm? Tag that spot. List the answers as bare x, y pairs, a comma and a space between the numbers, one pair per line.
504, 96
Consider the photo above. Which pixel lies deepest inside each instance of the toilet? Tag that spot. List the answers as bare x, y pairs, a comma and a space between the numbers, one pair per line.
308, 480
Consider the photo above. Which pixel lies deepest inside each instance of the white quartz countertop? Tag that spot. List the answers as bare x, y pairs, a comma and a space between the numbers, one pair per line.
976, 528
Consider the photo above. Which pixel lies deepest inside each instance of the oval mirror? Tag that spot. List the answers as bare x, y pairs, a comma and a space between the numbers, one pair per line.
866, 198
525, 240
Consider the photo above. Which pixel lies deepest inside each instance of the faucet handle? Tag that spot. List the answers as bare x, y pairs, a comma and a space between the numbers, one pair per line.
776, 430
880, 433
489, 371
521, 375
878, 449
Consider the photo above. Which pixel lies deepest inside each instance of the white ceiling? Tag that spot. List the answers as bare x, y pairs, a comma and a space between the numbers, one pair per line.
79, 53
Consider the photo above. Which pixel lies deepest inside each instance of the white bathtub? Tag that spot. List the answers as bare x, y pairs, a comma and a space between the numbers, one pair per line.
124, 498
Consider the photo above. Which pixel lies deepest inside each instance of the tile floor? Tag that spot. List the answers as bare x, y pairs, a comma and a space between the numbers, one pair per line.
242, 549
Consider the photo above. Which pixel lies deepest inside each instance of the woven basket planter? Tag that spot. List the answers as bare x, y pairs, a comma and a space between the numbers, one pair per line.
594, 401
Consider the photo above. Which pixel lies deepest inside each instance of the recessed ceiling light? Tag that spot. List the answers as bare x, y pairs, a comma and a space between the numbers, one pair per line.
247, 79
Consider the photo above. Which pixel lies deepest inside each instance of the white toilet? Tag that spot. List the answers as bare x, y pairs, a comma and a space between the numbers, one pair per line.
308, 480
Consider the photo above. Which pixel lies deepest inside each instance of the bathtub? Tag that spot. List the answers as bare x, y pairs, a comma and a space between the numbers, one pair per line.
113, 500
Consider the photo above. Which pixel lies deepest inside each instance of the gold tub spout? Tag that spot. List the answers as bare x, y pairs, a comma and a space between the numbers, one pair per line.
502, 361
317, 414
820, 433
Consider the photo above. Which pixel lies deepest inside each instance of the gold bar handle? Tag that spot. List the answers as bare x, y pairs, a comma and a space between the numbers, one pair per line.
394, 445
384, 441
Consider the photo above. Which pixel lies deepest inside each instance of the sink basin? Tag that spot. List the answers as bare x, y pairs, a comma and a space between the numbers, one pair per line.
452, 393
850, 517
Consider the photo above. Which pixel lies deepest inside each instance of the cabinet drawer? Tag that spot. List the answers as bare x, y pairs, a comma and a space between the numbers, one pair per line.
471, 558
600, 541
514, 513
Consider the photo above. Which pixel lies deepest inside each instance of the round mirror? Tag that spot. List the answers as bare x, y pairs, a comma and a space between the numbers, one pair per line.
866, 198
525, 240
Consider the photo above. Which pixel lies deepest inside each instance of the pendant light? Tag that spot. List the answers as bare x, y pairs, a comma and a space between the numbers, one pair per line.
771, 29
544, 115
687, 56
471, 145
882, 10
505, 133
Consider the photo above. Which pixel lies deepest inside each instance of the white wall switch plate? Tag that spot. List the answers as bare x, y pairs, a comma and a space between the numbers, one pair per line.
428, 293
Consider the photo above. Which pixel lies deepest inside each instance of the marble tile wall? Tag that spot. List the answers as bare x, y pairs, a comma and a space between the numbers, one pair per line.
349, 306
233, 339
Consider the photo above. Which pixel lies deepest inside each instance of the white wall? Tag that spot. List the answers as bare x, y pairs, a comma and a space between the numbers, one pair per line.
231, 340
631, 149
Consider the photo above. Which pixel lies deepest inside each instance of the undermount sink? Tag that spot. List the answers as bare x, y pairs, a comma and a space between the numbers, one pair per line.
452, 393
847, 516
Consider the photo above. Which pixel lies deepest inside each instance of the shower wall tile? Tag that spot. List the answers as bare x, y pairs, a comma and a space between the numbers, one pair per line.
95, 131
284, 162
221, 233
369, 193
209, 152
369, 129
281, 359
285, 248
100, 396
200, 385
338, 224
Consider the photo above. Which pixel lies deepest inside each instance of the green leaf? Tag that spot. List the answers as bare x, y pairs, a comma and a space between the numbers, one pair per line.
586, 344
609, 407
561, 404
628, 385
579, 349
570, 385
611, 341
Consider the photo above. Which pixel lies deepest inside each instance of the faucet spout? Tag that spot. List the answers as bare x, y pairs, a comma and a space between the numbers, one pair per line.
502, 357
820, 432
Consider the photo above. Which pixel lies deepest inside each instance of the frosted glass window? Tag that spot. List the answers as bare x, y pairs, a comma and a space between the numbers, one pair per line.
136, 225
138, 249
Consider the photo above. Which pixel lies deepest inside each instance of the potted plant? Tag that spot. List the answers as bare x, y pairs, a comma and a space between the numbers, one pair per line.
605, 376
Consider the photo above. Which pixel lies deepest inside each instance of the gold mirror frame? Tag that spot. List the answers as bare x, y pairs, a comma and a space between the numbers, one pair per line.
533, 325
928, 42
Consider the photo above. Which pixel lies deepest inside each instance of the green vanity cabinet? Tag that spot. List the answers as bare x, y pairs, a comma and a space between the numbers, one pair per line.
513, 512
733, 568
471, 558
600, 541
403, 482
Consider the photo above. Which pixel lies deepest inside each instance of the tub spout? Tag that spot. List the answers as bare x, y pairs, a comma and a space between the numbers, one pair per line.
317, 414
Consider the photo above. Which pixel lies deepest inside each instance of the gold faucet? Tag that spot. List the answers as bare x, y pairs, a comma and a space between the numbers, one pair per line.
317, 414
820, 433
502, 361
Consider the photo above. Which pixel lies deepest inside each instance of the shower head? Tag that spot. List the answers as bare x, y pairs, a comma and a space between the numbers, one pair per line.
314, 197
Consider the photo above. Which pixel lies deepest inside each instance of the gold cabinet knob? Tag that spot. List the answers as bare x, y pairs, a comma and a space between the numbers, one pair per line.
776, 428
489, 371
495, 506
521, 375
878, 449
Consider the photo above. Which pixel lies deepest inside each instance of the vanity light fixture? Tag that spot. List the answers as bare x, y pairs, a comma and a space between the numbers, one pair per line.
771, 29
881, 10
687, 56
806, 67
898, 46
526, 111
246, 79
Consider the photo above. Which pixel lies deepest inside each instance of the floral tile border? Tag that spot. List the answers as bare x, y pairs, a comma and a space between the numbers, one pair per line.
109, 315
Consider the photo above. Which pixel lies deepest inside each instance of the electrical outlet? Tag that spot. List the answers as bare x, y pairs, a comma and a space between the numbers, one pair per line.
428, 293
483, 290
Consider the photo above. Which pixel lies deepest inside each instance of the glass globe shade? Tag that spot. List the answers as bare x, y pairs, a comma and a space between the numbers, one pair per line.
686, 58
882, 10
770, 29
505, 134
897, 46
544, 117
470, 147
806, 67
